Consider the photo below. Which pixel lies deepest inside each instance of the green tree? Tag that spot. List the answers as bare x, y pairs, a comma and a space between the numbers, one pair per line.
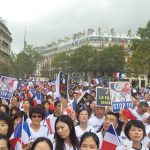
139, 63
60, 62
112, 59
26, 61
81, 60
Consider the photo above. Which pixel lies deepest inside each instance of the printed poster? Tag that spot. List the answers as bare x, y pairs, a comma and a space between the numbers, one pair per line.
7, 86
120, 95
103, 97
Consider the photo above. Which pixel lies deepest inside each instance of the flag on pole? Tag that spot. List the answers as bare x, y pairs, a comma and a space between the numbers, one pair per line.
128, 114
25, 133
16, 135
21, 135
110, 140
37, 99
48, 122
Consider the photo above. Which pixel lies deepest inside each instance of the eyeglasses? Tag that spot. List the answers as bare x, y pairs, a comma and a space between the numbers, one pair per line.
36, 116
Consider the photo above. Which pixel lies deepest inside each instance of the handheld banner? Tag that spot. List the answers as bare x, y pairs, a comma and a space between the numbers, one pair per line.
62, 84
120, 95
7, 86
103, 97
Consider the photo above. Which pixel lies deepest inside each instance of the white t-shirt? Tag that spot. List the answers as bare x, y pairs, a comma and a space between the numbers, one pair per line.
96, 123
79, 131
52, 122
123, 147
66, 147
42, 132
140, 117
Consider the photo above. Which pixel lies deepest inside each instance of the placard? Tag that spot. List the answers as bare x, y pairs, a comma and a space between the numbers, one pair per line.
120, 95
103, 97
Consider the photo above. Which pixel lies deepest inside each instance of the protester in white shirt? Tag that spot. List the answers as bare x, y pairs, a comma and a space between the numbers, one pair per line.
135, 132
37, 115
97, 121
110, 118
83, 126
65, 136
141, 111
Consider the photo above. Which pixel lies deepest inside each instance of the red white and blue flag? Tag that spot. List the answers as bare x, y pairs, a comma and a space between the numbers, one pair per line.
37, 99
30, 94
118, 75
111, 139
16, 135
20, 135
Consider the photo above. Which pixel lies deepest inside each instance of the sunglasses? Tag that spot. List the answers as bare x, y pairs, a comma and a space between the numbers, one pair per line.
36, 116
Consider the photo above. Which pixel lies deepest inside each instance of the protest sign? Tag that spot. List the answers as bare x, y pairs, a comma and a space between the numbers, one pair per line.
120, 95
62, 84
103, 97
84, 101
7, 86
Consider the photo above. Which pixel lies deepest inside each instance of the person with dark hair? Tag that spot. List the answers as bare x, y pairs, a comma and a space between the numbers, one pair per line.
89, 141
18, 116
26, 105
14, 110
37, 130
6, 124
135, 132
83, 126
4, 142
4, 108
65, 135
47, 108
97, 121
110, 118
141, 111
42, 143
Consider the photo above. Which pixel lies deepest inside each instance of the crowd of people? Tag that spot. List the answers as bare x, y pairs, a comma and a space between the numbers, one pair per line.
57, 124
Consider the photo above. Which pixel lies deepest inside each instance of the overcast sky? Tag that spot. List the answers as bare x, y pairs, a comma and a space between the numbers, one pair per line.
49, 20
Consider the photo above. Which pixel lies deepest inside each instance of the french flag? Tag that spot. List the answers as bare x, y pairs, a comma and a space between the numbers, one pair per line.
118, 75
110, 140
37, 99
129, 114
29, 94
21, 135
26, 133
48, 122
16, 135
20, 96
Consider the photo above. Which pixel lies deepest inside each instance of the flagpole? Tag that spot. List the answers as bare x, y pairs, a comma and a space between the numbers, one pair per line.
22, 129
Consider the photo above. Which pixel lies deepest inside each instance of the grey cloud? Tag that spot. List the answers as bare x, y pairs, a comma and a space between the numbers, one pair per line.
79, 15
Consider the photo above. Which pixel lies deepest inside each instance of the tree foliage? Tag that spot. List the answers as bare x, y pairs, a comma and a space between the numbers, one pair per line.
26, 61
60, 62
140, 62
82, 58
112, 59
